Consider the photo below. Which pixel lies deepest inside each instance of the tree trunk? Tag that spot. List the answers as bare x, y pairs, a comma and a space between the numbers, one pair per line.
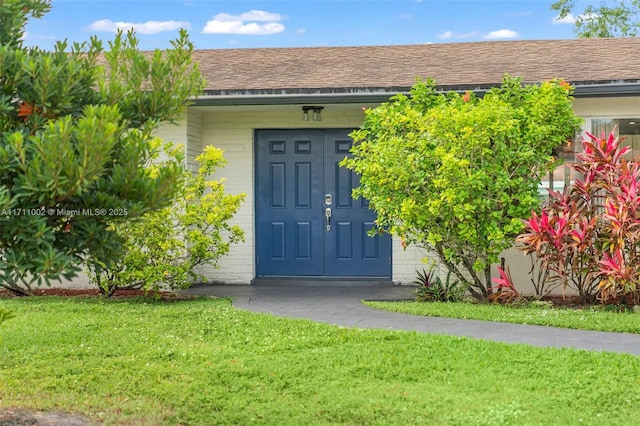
487, 279
17, 290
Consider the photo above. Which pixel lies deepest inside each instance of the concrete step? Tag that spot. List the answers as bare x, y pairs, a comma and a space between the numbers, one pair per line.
322, 282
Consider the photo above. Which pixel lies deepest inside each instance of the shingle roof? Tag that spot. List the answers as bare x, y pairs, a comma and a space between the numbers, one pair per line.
456, 65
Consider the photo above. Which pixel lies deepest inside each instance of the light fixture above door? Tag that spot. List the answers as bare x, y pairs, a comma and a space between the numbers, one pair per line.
312, 113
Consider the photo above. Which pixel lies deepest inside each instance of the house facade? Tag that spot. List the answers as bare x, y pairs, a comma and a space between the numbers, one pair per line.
283, 116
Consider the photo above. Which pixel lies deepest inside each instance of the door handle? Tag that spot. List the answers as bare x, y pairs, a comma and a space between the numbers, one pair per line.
327, 216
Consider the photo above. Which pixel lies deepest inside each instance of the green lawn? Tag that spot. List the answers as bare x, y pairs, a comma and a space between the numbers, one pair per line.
592, 318
203, 362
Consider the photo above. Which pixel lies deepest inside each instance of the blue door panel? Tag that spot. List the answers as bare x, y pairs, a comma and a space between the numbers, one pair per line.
295, 170
278, 241
344, 242
289, 214
370, 246
303, 185
303, 241
349, 250
277, 178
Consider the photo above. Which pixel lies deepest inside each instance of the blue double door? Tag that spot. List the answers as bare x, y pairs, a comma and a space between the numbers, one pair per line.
307, 223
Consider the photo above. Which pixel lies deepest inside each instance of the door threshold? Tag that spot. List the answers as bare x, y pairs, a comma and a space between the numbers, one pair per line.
323, 281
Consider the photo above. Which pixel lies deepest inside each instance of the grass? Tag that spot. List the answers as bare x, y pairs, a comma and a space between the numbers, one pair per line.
204, 362
590, 318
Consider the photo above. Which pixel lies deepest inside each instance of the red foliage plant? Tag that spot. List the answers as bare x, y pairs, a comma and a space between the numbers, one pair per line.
587, 236
504, 290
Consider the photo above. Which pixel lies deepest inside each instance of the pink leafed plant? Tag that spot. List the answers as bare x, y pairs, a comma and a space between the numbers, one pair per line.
588, 235
505, 290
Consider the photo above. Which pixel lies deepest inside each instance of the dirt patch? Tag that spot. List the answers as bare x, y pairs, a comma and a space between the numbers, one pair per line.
39, 418
567, 302
572, 302
64, 292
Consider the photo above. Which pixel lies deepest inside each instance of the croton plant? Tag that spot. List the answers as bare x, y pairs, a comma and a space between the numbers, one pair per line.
588, 235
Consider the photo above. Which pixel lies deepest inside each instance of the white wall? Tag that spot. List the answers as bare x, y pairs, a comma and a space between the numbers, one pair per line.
607, 107
193, 138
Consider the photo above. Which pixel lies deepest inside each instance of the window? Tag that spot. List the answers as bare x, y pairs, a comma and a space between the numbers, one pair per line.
629, 128
563, 175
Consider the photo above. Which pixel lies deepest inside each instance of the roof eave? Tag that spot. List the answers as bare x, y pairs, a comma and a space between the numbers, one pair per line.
292, 99
378, 95
607, 89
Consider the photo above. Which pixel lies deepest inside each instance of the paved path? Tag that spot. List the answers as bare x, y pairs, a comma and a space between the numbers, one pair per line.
341, 305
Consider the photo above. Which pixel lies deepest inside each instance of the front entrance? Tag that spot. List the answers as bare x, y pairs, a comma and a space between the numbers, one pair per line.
307, 223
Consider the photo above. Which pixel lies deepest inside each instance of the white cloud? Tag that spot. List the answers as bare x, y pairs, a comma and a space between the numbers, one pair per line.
245, 23
501, 34
239, 27
301, 30
450, 35
569, 19
260, 15
149, 27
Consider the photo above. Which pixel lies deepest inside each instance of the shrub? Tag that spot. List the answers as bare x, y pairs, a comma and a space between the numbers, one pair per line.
433, 289
588, 235
164, 249
455, 174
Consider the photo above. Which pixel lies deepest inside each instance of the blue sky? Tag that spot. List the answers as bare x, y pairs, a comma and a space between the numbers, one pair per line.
216, 24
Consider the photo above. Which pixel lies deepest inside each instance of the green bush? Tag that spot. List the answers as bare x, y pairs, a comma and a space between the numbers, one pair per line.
433, 289
165, 247
455, 174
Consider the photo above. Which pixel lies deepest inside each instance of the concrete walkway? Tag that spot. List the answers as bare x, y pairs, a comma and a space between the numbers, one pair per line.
340, 305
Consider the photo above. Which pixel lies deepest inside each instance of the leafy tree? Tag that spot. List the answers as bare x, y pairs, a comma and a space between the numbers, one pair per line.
164, 248
588, 237
455, 174
76, 135
612, 18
